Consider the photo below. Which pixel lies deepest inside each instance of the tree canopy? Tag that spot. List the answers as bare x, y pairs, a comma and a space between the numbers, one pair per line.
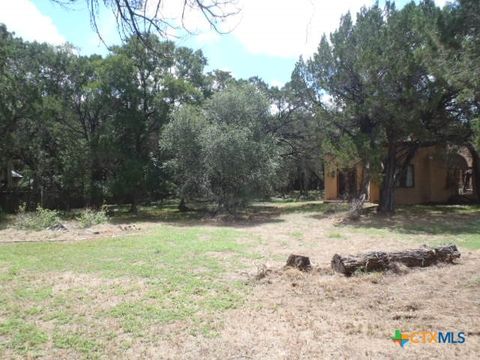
146, 121
375, 86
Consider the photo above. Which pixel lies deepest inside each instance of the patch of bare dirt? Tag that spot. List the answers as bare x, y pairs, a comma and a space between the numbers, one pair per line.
73, 232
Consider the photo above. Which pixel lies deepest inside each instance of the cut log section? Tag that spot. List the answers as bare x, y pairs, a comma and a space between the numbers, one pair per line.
299, 262
382, 261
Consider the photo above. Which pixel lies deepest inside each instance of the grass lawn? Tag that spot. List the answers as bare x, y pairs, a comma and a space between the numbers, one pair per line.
80, 296
180, 284
433, 225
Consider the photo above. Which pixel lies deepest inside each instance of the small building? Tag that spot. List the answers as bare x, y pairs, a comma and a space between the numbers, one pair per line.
434, 175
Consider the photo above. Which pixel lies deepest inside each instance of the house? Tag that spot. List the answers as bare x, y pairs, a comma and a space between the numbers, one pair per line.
434, 175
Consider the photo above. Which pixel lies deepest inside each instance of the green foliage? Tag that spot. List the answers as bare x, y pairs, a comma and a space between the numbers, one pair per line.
459, 49
221, 152
89, 217
373, 87
182, 141
238, 166
40, 219
86, 129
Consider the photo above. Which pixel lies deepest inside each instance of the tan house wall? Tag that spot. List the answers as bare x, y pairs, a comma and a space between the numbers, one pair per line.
331, 184
430, 180
374, 192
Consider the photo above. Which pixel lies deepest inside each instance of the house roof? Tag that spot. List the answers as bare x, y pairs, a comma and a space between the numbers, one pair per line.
15, 174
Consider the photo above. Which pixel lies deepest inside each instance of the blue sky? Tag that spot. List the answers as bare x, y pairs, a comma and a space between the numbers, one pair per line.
266, 39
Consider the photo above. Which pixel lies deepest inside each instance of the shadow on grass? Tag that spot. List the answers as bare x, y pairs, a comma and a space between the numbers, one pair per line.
203, 214
427, 219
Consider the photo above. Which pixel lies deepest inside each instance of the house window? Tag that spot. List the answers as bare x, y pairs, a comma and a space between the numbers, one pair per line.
406, 178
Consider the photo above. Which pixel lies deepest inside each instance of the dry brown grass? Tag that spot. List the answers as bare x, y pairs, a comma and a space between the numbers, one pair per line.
294, 315
74, 232
321, 315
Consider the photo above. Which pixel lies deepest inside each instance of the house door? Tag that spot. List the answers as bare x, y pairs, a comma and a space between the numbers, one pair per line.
347, 182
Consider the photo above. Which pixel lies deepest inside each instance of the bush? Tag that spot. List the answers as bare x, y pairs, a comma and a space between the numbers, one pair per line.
38, 220
89, 217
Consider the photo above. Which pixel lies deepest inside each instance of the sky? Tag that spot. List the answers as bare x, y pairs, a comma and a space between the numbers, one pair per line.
265, 39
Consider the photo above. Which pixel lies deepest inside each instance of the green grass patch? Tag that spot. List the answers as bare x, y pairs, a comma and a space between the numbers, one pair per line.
171, 274
76, 342
335, 235
308, 206
432, 224
297, 235
33, 293
21, 336
439, 209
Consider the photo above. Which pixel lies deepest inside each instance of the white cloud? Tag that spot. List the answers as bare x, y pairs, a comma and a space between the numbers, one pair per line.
188, 16
26, 20
207, 37
289, 28
277, 83
442, 3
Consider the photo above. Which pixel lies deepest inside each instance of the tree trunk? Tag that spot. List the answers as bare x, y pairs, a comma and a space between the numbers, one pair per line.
475, 170
365, 182
299, 262
387, 191
381, 261
95, 194
133, 204
182, 207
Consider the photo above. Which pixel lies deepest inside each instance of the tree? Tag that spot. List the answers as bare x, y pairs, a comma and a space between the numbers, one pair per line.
32, 76
85, 130
82, 96
456, 57
299, 134
141, 17
142, 89
222, 152
383, 96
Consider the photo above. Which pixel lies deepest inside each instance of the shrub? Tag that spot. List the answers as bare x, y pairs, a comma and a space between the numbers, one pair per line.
38, 220
89, 217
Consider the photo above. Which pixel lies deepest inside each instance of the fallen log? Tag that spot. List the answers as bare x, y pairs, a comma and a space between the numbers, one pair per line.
382, 261
299, 262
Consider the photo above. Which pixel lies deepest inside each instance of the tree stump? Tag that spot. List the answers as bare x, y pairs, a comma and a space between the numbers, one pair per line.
299, 262
381, 261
